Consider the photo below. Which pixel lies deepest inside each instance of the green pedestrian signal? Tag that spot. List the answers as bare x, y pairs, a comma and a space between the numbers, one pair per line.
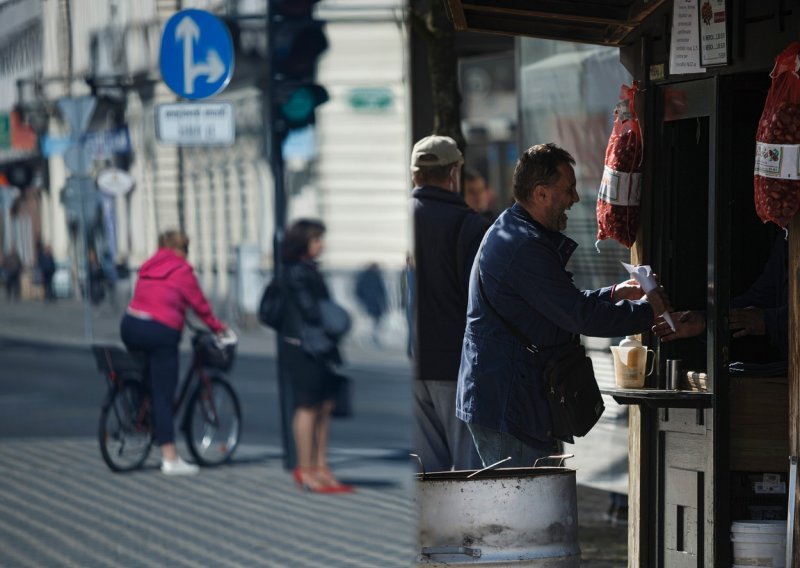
297, 41
298, 109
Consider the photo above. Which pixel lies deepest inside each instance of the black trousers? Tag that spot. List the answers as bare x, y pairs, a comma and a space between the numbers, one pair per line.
160, 342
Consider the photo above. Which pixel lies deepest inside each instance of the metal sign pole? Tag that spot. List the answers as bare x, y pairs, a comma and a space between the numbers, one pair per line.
276, 135
77, 113
87, 289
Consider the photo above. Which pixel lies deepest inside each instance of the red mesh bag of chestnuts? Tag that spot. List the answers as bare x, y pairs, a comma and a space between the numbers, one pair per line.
620, 191
777, 165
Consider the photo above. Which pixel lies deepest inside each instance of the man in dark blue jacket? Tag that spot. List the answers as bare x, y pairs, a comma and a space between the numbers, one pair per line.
446, 236
522, 268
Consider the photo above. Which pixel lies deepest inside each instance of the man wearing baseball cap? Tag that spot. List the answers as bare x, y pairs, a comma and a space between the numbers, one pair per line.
447, 234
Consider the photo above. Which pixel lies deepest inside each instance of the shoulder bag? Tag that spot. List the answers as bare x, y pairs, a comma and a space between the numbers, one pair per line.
335, 319
572, 393
271, 306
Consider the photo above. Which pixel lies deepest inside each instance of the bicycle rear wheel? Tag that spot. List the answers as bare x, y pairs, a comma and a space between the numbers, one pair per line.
125, 432
213, 421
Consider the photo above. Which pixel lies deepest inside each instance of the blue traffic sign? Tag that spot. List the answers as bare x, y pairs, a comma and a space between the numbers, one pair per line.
196, 56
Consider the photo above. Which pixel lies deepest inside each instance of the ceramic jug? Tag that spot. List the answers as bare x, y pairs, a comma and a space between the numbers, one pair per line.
630, 361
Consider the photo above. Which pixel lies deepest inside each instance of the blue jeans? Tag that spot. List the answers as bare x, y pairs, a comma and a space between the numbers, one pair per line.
494, 446
160, 342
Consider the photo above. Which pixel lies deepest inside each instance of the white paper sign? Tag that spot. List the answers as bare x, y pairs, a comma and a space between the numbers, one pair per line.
201, 124
684, 45
713, 33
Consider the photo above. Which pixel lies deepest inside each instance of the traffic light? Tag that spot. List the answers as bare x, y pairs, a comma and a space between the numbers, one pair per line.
297, 41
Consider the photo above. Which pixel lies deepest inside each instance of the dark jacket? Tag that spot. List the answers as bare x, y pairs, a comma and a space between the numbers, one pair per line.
305, 288
770, 292
446, 237
371, 291
522, 266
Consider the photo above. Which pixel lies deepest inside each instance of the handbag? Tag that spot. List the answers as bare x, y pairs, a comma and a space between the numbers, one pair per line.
315, 340
343, 402
271, 306
335, 319
570, 386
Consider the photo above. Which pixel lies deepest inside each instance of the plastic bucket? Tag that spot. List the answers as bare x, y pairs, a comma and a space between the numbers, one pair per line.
759, 543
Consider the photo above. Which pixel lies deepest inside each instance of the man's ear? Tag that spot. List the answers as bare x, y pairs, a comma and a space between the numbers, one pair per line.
539, 192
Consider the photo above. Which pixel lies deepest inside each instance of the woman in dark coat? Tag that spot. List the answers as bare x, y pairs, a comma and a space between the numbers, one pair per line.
313, 383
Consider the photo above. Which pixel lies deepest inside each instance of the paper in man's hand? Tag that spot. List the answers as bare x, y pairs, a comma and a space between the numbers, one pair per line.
643, 274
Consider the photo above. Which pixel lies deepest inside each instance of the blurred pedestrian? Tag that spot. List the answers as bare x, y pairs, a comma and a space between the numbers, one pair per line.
165, 289
478, 195
308, 361
110, 277
446, 237
97, 278
371, 292
12, 267
407, 301
47, 267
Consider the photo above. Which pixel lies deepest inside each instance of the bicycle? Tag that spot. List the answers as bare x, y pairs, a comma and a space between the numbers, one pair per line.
211, 420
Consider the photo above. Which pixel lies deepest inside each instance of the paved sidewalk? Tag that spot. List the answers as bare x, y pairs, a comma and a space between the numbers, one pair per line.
60, 505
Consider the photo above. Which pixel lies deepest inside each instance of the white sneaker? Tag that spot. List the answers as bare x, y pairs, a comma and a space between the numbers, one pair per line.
178, 467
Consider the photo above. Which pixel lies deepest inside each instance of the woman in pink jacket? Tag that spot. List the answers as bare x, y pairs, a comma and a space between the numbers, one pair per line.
153, 323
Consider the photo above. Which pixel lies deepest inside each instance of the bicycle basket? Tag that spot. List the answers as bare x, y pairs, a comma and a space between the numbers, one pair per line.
212, 354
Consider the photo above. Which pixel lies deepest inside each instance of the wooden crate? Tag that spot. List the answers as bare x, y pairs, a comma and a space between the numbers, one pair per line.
759, 424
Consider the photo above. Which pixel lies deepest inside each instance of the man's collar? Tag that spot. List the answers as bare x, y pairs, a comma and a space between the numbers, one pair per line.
437, 193
565, 245
520, 211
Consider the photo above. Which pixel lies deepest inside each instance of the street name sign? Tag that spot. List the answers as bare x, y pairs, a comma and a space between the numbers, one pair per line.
196, 56
195, 124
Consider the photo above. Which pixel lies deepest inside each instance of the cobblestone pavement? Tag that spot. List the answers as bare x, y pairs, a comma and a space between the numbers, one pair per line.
60, 506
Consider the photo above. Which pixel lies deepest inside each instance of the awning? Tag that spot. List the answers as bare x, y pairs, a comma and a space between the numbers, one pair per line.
603, 22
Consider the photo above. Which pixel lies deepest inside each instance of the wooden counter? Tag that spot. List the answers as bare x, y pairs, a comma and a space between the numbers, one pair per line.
759, 424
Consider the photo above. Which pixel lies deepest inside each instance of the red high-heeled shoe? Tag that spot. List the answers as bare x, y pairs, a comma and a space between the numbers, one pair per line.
332, 484
306, 481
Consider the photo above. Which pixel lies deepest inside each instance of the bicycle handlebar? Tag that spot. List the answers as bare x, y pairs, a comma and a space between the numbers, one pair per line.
222, 339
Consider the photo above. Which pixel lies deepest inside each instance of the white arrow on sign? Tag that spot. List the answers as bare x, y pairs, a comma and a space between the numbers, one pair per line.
213, 68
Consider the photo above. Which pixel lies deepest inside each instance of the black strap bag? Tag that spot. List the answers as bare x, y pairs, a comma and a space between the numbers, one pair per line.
271, 306
572, 392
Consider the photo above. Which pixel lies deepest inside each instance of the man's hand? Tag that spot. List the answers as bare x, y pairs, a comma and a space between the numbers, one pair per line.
747, 321
687, 324
628, 290
658, 300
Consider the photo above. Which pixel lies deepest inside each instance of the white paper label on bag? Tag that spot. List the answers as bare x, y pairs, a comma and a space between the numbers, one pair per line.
620, 188
777, 160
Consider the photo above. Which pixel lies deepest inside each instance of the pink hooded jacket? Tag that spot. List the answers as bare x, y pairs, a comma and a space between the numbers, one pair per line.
166, 287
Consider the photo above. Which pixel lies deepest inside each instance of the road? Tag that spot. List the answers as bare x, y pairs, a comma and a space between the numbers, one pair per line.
57, 391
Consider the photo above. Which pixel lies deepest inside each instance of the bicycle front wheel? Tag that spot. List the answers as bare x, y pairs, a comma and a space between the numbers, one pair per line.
125, 432
213, 421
